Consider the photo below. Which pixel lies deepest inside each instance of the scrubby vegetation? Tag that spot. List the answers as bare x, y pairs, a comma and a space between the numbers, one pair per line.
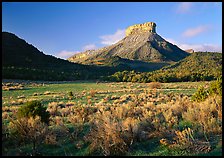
117, 119
199, 66
214, 89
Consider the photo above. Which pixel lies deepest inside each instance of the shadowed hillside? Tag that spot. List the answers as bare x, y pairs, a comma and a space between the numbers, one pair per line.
21, 60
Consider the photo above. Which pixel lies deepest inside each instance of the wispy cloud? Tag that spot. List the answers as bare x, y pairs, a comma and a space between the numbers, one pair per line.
113, 38
184, 7
197, 47
195, 31
66, 54
89, 47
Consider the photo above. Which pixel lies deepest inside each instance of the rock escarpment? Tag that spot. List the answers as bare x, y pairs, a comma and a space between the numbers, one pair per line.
141, 43
141, 28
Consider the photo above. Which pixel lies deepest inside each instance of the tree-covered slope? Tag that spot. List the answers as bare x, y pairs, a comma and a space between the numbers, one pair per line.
21, 60
199, 66
204, 63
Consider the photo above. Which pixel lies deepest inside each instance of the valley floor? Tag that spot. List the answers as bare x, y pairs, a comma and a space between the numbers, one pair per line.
116, 118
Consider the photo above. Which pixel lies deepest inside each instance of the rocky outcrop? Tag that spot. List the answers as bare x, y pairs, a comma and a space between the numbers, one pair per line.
141, 28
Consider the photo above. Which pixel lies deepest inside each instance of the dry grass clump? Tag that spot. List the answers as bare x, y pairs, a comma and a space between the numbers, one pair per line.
11, 110
8, 87
92, 92
174, 108
131, 130
5, 115
81, 114
58, 109
65, 111
21, 97
207, 114
115, 128
17, 102
106, 135
51, 139
47, 93
123, 99
185, 140
53, 108
6, 109
35, 94
155, 85
57, 120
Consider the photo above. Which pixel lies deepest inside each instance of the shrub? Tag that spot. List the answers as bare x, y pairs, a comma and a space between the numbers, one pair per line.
155, 85
216, 87
106, 135
32, 109
206, 116
70, 94
200, 95
29, 130
185, 140
92, 93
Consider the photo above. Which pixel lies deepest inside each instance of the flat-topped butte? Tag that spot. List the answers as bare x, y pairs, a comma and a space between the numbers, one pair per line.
141, 28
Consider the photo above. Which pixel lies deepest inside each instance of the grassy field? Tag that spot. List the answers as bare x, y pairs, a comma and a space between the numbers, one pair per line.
144, 113
49, 92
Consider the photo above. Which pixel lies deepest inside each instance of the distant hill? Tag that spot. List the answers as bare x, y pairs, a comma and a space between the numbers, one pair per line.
199, 66
21, 60
141, 43
204, 64
17, 52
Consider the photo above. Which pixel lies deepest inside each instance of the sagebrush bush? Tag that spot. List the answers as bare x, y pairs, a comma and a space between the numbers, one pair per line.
206, 116
156, 85
106, 135
185, 140
29, 130
92, 92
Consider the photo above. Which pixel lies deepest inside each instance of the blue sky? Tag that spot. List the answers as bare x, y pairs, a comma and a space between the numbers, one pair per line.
64, 28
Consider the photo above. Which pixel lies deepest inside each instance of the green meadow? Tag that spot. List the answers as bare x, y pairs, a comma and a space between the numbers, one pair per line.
145, 119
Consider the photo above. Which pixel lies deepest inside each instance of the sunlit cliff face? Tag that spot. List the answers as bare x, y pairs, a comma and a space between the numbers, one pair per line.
141, 28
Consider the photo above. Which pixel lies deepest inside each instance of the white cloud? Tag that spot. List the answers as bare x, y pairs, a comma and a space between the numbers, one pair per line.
66, 54
184, 7
195, 31
111, 39
89, 47
197, 47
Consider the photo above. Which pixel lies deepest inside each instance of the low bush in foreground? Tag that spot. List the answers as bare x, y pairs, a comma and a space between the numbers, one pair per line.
32, 109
